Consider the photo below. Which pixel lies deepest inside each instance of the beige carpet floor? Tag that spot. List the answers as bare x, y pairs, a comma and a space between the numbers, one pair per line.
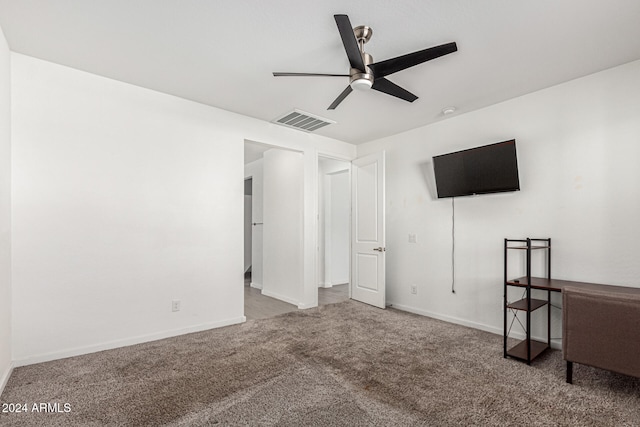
344, 364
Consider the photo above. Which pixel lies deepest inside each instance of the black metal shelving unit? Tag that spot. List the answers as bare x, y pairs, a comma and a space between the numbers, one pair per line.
528, 349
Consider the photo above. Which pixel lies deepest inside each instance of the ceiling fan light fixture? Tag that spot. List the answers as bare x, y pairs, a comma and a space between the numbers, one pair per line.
361, 84
360, 80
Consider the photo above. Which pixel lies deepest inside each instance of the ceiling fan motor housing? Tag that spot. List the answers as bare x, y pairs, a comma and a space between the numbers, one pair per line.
362, 80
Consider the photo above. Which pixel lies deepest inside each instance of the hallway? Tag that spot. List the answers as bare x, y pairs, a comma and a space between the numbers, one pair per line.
258, 306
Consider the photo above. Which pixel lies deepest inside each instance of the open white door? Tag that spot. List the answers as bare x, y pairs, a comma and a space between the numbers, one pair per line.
367, 231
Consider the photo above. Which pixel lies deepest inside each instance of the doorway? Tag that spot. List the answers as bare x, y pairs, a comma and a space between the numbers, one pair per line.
282, 214
276, 232
334, 230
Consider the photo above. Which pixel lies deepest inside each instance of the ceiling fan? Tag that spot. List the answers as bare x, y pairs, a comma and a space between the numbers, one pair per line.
366, 74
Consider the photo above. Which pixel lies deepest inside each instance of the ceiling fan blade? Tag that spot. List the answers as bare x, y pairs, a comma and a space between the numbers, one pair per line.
393, 65
278, 74
340, 98
349, 41
390, 88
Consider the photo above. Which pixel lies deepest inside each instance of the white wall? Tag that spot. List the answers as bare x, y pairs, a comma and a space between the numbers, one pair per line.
5, 211
338, 234
578, 148
254, 170
123, 200
283, 225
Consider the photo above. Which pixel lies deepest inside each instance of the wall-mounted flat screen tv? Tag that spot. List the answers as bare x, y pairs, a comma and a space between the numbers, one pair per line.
488, 169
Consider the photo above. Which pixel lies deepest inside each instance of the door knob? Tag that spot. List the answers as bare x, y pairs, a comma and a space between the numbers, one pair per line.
380, 249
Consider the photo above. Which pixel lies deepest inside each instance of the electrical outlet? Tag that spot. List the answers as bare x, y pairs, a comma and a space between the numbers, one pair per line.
175, 305
413, 238
414, 289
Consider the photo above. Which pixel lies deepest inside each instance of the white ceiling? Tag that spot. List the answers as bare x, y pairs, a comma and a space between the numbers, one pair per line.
222, 52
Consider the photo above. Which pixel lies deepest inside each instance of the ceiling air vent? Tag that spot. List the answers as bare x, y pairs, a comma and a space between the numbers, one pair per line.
302, 121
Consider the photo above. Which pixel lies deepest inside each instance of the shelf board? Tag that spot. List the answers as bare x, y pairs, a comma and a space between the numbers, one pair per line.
519, 351
539, 283
558, 285
522, 304
532, 247
544, 283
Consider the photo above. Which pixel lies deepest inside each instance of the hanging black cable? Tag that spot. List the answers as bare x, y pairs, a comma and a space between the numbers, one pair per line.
453, 245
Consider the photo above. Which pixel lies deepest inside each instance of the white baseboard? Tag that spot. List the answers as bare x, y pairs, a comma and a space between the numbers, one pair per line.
280, 297
78, 351
332, 284
5, 377
256, 285
555, 344
446, 318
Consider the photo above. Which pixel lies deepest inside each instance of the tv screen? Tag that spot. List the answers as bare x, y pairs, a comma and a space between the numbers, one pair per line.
488, 169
